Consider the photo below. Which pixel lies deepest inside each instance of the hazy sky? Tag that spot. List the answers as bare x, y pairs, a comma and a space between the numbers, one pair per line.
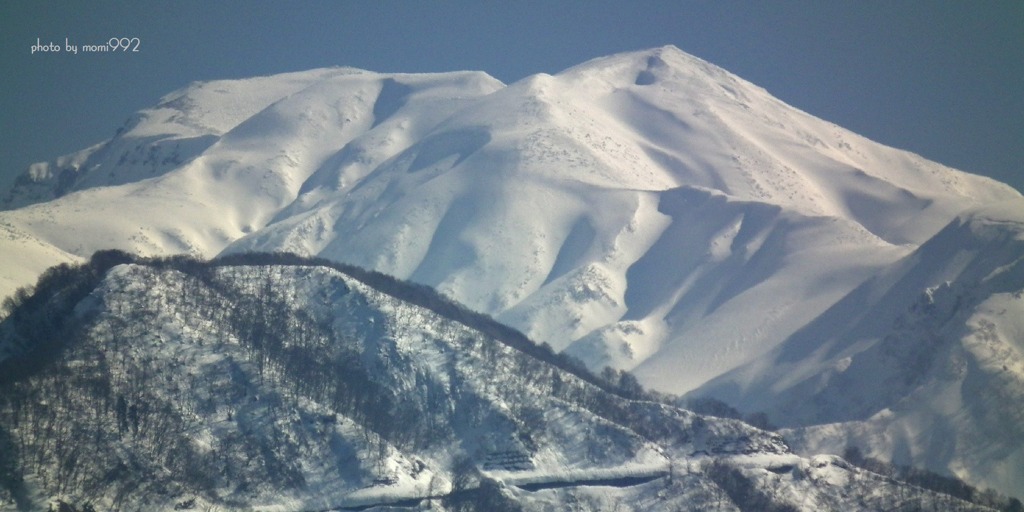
942, 79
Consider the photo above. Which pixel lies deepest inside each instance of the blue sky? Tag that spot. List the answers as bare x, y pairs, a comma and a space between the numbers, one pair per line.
942, 79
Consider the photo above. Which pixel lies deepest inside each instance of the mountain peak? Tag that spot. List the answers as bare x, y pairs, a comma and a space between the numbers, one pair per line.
655, 65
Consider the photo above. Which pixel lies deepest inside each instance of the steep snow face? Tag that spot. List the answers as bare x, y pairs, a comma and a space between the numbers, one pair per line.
922, 364
160, 139
261, 140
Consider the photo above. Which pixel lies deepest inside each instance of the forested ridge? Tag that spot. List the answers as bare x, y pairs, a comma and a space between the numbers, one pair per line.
93, 402
39, 313
275, 379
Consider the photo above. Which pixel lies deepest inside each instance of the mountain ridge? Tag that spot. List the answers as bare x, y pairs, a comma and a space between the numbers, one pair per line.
245, 385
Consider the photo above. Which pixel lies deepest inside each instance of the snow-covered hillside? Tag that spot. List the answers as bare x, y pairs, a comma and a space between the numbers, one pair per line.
923, 373
646, 210
297, 387
216, 161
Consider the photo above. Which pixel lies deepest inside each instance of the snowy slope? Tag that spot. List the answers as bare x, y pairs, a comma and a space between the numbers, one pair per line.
157, 140
922, 364
262, 138
646, 210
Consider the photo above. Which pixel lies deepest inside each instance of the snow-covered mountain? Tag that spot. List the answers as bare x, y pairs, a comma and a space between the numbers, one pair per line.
647, 211
182, 385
